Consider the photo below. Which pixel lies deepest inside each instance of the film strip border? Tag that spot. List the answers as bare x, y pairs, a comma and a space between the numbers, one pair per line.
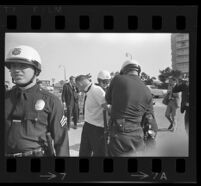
97, 170
98, 19
130, 19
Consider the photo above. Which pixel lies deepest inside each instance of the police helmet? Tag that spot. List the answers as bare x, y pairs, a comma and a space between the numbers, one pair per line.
103, 75
129, 65
24, 54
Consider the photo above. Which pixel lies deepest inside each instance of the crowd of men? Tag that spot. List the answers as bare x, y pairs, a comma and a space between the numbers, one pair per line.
118, 112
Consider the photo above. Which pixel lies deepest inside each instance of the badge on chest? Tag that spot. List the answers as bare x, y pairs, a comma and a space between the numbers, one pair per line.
39, 105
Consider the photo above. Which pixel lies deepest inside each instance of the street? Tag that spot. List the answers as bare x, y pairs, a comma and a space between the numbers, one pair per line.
168, 144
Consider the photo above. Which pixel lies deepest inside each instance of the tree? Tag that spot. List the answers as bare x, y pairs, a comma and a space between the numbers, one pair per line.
144, 76
165, 74
150, 81
176, 73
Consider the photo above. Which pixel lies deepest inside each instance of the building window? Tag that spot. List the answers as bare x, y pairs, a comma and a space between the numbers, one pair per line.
182, 44
182, 51
183, 58
182, 37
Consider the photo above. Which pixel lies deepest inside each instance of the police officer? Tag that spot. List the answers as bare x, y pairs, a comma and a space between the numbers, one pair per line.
32, 113
104, 78
131, 100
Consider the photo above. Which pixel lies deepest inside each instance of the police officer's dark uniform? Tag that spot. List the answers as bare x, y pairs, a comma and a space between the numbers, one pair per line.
130, 100
29, 115
184, 88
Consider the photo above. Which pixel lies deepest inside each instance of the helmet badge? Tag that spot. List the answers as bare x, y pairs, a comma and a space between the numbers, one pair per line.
16, 51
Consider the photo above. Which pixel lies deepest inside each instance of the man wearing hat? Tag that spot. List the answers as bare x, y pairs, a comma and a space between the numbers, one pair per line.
104, 79
34, 118
92, 138
131, 101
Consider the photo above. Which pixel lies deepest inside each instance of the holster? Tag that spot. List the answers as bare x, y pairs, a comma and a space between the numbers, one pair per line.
125, 126
50, 148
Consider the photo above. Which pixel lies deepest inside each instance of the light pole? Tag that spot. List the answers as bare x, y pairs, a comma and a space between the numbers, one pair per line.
128, 54
64, 71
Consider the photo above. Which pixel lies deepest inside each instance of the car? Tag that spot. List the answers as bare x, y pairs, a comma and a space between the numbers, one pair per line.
157, 93
48, 88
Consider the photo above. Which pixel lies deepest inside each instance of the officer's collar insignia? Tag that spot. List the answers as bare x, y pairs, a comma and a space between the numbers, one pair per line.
16, 51
40, 104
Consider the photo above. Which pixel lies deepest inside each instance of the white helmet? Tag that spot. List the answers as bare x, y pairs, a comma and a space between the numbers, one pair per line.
104, 74
129, 64
24, 54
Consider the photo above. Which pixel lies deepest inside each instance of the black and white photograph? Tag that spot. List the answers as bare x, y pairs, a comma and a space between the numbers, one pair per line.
96, 94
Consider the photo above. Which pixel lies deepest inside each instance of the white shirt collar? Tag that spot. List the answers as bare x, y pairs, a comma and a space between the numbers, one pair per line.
86, 88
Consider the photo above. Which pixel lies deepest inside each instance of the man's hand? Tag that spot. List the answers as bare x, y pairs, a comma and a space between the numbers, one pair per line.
152, 133
64, 104
107, 107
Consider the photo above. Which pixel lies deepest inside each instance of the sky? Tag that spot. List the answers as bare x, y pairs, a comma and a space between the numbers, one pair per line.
82, 53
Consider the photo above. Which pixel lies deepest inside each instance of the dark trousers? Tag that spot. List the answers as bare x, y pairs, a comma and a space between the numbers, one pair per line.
92, 141
72, 111
186, 120
126, 139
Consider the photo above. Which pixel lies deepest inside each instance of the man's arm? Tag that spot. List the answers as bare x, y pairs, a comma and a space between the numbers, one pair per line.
58, 128
178, 88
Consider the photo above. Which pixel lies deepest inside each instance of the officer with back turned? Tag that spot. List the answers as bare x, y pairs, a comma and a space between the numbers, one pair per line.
131, 102
34, 118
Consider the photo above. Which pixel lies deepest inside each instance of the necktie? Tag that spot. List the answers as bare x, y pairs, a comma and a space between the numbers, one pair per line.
18, 109
85, 97
74, 89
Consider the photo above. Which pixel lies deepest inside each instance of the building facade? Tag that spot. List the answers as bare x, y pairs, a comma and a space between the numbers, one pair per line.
180, 52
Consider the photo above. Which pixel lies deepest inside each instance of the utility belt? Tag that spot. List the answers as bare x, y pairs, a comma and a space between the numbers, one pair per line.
124, 125
35, 152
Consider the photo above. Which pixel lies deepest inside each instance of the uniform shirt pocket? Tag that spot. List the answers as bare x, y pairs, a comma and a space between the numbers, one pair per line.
35, 123
37, 117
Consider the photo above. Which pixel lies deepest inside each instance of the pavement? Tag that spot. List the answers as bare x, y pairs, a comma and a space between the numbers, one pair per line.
168, 144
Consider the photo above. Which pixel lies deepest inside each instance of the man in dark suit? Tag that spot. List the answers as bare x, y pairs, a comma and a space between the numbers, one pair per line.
70, 98
183, 86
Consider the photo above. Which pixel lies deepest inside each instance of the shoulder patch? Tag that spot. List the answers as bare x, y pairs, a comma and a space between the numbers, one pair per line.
63, 120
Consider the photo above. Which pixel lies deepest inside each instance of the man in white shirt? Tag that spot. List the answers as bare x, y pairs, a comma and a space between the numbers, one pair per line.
92, 139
